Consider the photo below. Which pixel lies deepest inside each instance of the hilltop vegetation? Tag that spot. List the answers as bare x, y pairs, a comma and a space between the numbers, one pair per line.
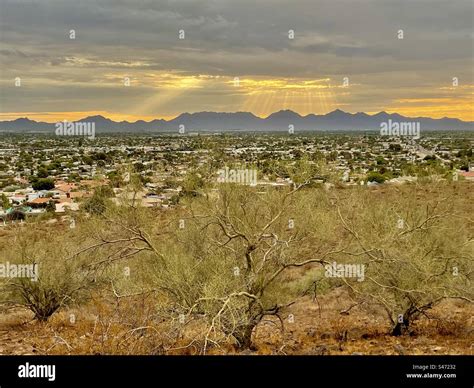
234, 268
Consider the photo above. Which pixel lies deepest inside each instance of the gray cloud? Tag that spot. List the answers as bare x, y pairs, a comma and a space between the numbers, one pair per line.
333, 38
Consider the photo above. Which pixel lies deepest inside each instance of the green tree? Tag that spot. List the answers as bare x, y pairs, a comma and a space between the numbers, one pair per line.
375, 177
51, 207
192, 183
42, 172
43, 184
96, 204
4, 202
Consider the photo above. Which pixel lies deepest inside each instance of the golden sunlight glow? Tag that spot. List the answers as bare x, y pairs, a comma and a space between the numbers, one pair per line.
461, 108
265, 96
54, 117
259, 95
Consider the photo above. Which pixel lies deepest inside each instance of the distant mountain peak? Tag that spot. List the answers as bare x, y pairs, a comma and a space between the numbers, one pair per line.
23, 120
338, 113
247, 121
285, 113
96, 118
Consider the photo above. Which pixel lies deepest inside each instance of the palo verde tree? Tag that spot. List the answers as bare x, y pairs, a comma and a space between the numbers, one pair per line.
416, 246
253, 243
44, 274
226, 260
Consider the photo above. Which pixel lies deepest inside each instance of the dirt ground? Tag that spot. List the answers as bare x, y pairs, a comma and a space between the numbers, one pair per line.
314, 327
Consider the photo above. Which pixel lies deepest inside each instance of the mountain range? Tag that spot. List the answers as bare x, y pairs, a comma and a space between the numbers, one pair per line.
336, 120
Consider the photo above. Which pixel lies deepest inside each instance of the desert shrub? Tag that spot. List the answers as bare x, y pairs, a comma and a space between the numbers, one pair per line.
212, 269
375, 177
97, 204
58, 279
416, 247
227, 260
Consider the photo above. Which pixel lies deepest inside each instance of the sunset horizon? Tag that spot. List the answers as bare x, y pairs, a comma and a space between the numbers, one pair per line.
54, 117
158, 60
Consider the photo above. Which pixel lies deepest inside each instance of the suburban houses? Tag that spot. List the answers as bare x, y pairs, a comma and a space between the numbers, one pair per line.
40, 174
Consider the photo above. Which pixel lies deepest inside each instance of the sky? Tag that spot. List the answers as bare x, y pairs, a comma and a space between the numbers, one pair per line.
138, 59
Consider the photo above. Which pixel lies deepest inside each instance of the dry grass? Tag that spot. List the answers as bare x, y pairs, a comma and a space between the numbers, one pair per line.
107, 324
98, 330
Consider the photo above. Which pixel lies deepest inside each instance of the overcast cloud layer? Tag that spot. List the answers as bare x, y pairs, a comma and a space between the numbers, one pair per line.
224, 39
